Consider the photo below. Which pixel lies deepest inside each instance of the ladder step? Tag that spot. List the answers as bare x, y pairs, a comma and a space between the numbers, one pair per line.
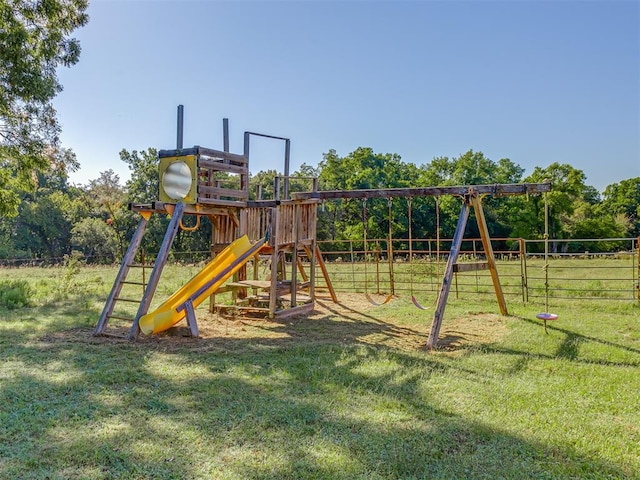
133, 283
113, 335
130, 300
140, 265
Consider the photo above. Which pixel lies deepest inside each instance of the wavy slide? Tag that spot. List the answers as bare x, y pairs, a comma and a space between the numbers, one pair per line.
201, 286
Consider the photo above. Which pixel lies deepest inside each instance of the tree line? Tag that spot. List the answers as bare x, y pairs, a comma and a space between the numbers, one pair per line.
44, 216
55, 217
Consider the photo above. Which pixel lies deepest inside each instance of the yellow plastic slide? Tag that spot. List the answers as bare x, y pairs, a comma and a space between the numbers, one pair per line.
167, 315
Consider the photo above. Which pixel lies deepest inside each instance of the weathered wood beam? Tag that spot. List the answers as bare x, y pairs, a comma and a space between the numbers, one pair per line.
470, 267
498, 189
221, 167
208, 152
203, 189
161, 207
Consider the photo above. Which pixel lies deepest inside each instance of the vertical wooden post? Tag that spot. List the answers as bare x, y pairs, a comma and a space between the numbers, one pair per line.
158, 266
377, 266
448, 274
313, 219
638, 277
225, 134
273, 238
294, 254
523, 270
243, 229
476, 201
392, 287
180, 127
287, 156
190, 313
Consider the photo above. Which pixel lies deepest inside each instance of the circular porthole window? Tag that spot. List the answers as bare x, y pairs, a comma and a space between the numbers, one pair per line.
176, 180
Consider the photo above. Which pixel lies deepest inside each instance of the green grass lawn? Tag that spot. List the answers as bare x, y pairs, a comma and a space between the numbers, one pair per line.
346, 393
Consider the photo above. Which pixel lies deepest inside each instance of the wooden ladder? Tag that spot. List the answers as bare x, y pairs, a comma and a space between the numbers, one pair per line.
121, 279
128, 263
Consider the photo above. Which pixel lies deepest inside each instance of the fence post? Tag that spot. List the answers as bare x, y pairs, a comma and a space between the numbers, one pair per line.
524, 285
638, 275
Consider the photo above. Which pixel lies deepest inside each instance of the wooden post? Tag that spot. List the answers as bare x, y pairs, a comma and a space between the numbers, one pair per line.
313, 219
158, 266
191, 318
448, 275
294, 254
476, 201
523, 270
392, 287
180, 127
638, 244
273, 289
225, 134
325, 273
377, 266
243, 229
287, 156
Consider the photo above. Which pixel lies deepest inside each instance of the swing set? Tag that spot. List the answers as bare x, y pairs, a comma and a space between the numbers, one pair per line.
391, 295
471, 197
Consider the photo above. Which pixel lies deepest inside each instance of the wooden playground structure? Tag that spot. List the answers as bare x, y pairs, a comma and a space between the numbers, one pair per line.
280, 232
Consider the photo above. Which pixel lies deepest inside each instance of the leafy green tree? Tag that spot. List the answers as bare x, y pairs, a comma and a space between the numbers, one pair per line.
35, 41
567, 187
302, 179
363, 169
45, 219
473, 168
110, 199
262, 181
568, 195
96, 239
143, 185
45, 214
596, 222
299, 181
623, 198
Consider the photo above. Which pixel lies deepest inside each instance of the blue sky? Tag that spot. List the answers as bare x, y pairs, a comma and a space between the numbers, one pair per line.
534, 81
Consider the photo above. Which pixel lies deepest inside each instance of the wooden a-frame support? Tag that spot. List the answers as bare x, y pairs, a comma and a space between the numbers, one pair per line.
158, 266
471, 199
150, 288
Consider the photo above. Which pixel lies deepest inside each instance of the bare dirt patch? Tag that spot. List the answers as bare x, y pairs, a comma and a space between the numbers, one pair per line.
352, 321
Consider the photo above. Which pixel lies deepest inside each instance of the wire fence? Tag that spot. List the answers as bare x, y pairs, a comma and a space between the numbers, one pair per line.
575, 268
524, 273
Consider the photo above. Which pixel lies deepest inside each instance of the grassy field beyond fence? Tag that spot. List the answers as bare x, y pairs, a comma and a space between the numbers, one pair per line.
346, 393
523, 274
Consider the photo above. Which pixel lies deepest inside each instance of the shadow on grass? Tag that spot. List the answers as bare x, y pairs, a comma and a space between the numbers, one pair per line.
569, 348
318, 400
306, 413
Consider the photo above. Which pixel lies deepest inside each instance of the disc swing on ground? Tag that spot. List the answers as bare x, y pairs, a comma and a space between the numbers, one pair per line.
546, 316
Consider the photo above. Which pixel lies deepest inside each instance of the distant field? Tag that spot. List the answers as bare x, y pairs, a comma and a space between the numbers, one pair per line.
346, 393
573, 277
